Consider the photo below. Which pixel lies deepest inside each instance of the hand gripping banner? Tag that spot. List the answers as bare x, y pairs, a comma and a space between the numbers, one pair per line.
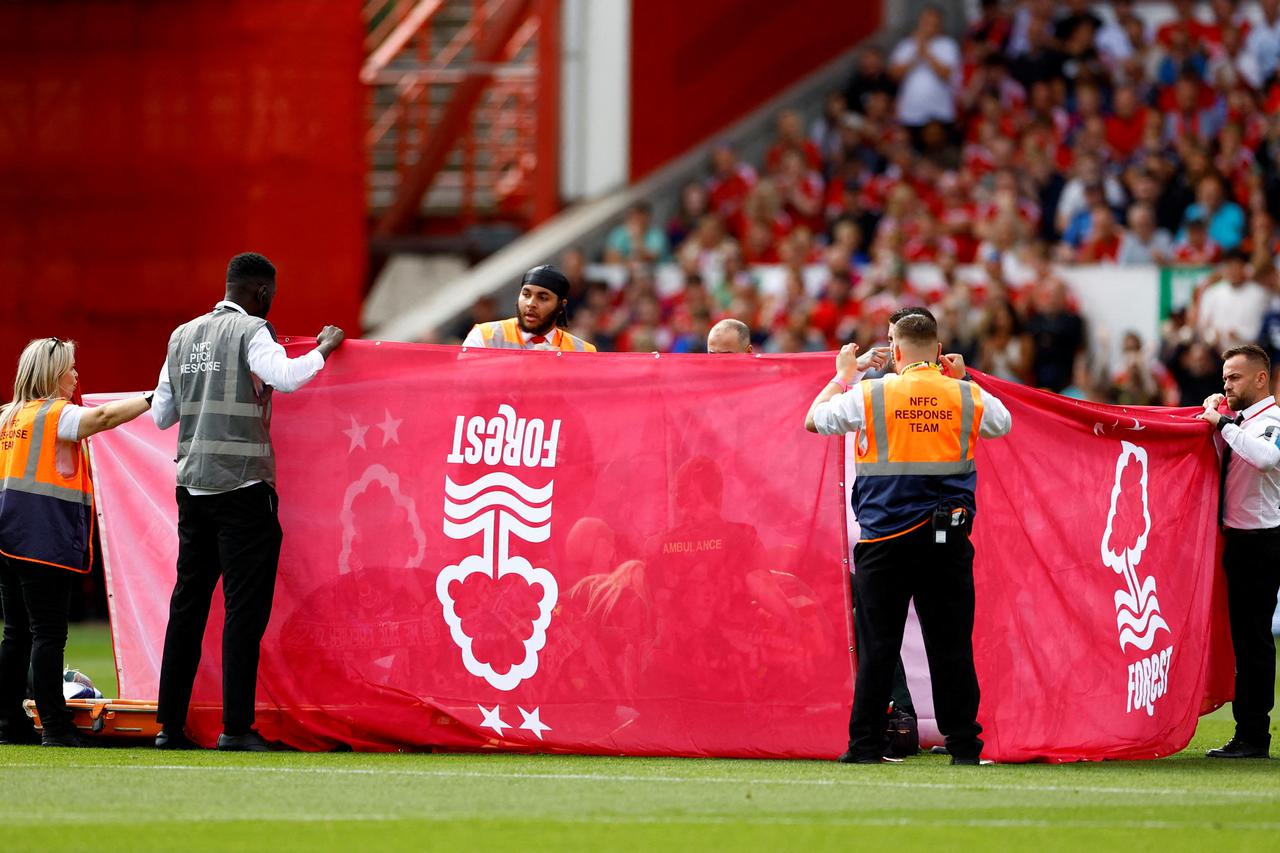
631, 554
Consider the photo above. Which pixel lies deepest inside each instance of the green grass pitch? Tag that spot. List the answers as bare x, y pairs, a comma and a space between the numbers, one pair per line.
138, 799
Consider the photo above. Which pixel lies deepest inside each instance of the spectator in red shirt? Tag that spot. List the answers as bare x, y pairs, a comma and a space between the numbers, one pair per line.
1103, 241
791, 137
1226, 16
801, 190
1196, 248
1185, 21
730, 182
929, 244
836, 314
762, 223
759, 243
1127, 122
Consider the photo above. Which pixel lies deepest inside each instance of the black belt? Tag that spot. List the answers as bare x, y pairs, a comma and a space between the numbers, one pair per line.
1260, 531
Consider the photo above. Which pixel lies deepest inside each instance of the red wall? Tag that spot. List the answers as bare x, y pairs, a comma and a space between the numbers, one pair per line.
697, 65
144, 143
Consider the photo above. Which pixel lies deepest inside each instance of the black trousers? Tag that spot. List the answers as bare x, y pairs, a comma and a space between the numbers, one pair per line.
901, 692
35, 600
887, 576
235, 535
1252, 565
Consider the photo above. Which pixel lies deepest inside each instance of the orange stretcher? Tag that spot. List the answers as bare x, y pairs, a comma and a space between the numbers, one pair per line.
123, 719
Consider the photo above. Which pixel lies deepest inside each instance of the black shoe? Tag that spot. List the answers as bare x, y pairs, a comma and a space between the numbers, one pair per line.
973, 761
1236, 748
69, 739
26, 736
174, 740
938, 750
250, 741
850, 758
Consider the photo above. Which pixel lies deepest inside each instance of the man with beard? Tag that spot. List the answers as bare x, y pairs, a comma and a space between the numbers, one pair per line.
1248, 497
540, 310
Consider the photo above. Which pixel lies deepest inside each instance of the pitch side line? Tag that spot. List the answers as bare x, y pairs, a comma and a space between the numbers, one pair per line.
706, 780
688, 820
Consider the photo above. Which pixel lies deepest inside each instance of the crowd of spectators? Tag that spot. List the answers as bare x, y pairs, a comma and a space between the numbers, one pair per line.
966, 175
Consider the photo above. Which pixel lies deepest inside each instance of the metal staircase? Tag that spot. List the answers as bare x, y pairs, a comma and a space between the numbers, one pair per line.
463, 107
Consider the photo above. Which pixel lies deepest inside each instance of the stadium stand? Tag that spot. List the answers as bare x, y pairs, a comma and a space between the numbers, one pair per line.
1046, 135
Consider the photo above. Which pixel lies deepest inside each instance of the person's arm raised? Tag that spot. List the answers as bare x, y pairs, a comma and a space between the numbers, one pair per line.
821, 417
111, 415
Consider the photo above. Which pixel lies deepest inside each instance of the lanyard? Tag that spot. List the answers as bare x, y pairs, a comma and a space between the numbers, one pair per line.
922, 364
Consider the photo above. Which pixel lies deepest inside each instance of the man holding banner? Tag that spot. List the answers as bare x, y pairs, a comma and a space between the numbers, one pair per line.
216, 385
914, 499
1249, 514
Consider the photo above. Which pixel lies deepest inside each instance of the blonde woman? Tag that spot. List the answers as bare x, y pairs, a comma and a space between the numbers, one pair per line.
46, 527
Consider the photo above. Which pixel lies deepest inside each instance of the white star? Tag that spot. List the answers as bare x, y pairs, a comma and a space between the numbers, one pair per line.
390, 429
493, 719
532, 723
356, 434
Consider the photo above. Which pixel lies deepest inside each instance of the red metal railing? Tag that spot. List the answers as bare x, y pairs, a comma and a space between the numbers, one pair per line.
463, 110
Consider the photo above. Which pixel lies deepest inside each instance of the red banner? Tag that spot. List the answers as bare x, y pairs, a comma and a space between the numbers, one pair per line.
645, 555
1095, 580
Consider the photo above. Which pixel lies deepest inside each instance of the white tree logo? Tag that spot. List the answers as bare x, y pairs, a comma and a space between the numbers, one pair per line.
501, 509
1138, 616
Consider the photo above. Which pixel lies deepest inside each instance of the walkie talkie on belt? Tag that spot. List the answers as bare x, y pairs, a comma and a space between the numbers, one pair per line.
944, 520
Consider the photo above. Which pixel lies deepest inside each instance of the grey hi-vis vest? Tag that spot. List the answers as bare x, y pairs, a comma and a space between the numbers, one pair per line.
224, 421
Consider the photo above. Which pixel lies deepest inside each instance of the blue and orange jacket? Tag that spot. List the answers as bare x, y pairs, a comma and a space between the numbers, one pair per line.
46, 517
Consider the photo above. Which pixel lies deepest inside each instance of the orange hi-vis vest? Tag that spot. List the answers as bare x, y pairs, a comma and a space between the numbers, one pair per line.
915, 450
506, 334
46, 517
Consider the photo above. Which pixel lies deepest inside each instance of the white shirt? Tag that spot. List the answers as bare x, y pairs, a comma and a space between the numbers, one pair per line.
1133, 251
1263, 45
923, 96
270, 366
844, 412
476, 339
69, 422
1072, 200
1112, 41
1252, 500
1232, 315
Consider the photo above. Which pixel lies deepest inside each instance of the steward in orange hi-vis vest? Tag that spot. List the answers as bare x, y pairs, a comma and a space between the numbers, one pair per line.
915, 450
540, 311
914, 436
46, 527
46, 515
506, 334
